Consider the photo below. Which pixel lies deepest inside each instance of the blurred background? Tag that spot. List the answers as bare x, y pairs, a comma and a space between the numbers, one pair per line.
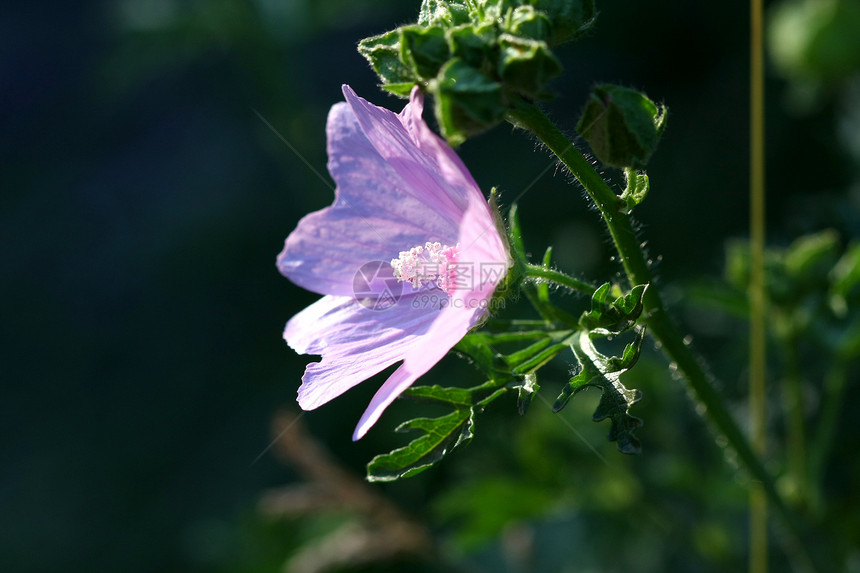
144, 377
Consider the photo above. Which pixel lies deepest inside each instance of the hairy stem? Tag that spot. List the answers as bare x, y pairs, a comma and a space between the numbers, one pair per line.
542, 272
660, 325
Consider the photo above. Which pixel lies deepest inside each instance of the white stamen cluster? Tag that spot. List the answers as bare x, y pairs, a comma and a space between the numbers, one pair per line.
432, 262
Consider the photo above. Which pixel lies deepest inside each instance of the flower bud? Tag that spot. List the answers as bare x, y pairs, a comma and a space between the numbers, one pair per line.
622, 126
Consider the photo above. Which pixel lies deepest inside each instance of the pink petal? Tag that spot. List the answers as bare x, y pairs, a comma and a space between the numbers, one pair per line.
379, 210
406, 143
450, 327
355, 342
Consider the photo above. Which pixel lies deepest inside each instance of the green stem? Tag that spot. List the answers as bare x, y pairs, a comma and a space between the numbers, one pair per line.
543, 286
659, 323
523, 335
515, 325
540, 272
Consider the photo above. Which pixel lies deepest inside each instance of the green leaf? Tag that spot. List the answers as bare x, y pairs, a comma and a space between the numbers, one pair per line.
607, 316
597, 370
460, 397
622, 126
383, 53
439, 437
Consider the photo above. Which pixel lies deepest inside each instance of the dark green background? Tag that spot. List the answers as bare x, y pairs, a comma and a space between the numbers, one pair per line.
144, 202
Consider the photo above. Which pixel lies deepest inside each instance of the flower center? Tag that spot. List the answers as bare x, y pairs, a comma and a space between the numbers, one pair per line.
432, 262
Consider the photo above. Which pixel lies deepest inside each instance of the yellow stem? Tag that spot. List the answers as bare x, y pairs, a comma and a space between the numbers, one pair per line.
757, 293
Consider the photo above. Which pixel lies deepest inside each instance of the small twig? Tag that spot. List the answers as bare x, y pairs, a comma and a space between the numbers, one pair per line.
381, 532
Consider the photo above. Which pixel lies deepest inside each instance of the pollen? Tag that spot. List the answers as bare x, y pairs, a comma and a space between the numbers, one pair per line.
433, 262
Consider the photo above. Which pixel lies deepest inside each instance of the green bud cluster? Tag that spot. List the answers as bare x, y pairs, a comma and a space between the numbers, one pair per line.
475, 56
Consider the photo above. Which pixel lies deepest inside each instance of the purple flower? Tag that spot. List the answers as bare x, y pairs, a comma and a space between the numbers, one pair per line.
406, 204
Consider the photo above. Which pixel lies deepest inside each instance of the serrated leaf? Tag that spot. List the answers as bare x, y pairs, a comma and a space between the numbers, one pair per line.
629, 356
599, 371
440, 394
440, 436
462, 397
608, 317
